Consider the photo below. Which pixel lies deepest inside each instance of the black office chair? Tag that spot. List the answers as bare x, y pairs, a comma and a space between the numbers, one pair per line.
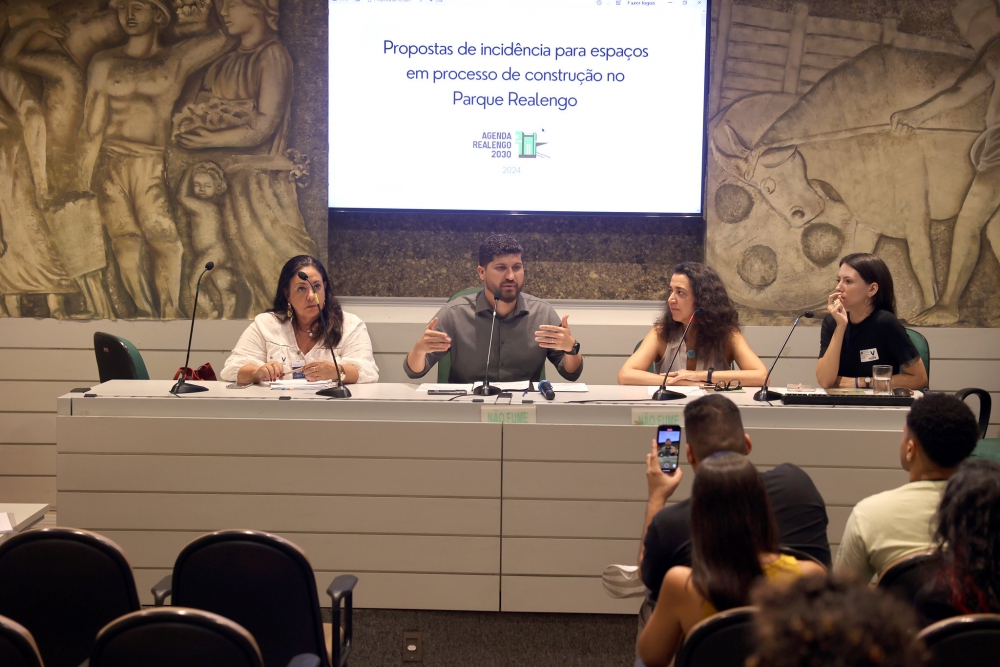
64, 585
266, 584
964, 641
907, 576
17, 646
118, 359
798, 554
169, 637
723, 640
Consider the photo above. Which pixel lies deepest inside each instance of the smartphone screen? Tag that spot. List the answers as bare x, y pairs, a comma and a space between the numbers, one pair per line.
668, 446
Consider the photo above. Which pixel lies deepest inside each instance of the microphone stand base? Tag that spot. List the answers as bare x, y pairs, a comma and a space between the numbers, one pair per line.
667, 395
335, 392
766, 394
486, 390
185, 388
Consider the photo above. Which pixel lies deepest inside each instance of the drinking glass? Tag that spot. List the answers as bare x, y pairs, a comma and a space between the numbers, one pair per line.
882, 380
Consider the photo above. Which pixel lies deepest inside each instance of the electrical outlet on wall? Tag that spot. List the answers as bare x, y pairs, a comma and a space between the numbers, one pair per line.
413, 647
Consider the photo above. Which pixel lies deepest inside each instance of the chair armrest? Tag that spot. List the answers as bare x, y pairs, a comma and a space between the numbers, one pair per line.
162, 590
985, 404
304, 660
341, 591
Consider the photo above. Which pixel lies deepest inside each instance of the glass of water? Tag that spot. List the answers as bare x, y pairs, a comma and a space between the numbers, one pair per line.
882, 380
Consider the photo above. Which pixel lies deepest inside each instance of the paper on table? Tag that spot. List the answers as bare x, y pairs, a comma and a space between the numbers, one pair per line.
687, 390
301, 384
6, 522
440, 386
571, 387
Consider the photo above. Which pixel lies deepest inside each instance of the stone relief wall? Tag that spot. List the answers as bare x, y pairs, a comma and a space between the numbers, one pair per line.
831, 136
140, 139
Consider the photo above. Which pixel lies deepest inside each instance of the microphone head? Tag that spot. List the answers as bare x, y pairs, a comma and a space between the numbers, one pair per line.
545, 388
697, 311
210, 266
808, 314
302, 276
498, 294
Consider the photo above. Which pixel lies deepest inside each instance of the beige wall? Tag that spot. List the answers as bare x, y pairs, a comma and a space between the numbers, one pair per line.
42, 359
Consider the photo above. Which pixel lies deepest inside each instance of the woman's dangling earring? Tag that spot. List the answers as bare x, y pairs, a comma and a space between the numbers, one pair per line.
289, 313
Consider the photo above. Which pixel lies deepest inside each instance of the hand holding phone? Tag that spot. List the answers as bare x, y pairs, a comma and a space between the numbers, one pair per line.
668, 447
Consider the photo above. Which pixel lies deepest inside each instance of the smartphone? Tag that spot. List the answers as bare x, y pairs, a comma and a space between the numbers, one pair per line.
668, 446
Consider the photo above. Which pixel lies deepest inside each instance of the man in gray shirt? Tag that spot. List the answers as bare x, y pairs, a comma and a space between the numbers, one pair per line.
462, 327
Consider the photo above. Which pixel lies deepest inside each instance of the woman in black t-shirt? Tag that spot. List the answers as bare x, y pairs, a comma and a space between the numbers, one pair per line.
861, 330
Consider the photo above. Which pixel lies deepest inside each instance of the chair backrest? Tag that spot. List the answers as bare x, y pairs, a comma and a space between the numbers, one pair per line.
798, 554
985, 406
920, 342
170, 636
259, 580
118, 359
64, 585
17, 646
722, 640
907, 576
964, 641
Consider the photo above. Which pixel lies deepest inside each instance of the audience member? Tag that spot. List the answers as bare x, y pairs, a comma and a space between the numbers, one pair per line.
968, 545
713, 424
833, 621
734, 544
940, 433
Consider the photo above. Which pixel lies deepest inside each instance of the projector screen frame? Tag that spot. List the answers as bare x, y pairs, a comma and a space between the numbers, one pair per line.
707, 74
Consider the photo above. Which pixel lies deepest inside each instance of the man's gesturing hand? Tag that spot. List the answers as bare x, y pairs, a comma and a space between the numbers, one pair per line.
432, 340
556, 338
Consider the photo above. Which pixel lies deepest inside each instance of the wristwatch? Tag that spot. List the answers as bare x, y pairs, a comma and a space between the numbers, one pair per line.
575, 350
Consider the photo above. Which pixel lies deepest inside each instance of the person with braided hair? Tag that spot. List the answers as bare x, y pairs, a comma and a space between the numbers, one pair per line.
968, 546
821, 621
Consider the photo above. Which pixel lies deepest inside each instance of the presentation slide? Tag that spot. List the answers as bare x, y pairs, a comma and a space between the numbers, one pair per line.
517, 105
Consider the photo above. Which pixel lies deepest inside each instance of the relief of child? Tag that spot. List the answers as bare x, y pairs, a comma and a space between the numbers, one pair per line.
198, 194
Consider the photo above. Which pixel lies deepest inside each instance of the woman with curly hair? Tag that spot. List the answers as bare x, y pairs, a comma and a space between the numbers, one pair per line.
968, 539
712, 343
831, 622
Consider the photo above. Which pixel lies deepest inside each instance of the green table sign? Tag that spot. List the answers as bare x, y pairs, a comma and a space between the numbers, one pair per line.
508, 414
657, 416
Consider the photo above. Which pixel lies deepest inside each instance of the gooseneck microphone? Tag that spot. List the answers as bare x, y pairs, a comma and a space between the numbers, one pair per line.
340, 391
182, 387
766, 394
486, 389
664, 394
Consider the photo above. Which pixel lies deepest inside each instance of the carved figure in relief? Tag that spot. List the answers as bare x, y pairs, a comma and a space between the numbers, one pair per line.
240, 119
198, 193
131, 91
57, 54
979, 209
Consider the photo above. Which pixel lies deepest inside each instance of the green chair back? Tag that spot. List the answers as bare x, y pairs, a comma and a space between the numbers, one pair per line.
986, 448
923, 348
444, 363
118, 358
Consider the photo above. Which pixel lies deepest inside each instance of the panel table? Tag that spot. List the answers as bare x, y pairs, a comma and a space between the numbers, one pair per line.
431, 507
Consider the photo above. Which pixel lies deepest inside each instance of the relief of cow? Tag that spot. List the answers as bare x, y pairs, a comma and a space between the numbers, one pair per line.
838, 134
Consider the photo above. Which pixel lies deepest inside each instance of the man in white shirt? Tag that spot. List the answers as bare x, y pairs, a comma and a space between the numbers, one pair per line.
940, 433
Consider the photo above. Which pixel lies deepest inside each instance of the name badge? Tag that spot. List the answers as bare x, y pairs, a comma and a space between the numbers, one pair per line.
869, 355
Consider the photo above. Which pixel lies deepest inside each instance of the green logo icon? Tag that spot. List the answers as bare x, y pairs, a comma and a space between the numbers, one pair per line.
527, 144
